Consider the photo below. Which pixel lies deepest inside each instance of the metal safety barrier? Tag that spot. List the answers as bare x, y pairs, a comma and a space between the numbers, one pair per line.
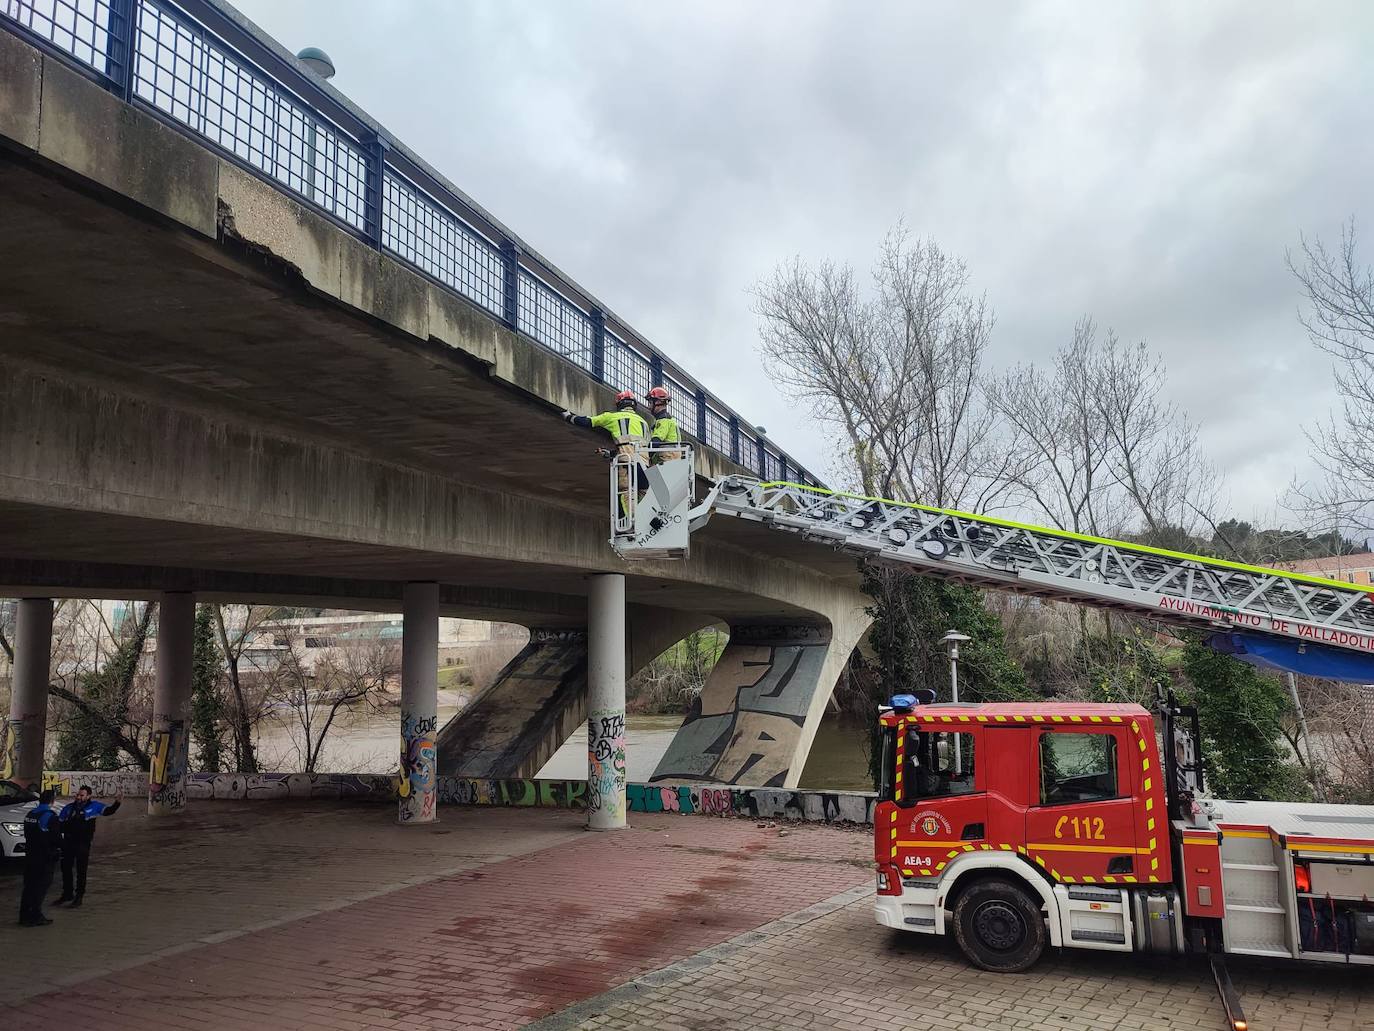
204, 69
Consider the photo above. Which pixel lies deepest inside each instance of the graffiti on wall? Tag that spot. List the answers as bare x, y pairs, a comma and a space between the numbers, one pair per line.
606, 762
169, 753
687, 799
417, 780
745, 725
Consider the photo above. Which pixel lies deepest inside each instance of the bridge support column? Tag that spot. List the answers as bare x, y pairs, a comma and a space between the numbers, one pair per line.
419, 703
606, 702
26, 729
170, 748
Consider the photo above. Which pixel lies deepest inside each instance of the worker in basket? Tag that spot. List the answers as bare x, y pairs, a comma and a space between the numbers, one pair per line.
630, 433
665, 436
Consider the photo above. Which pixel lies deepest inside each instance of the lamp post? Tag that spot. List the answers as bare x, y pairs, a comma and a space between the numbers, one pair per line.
951, 641
322, 65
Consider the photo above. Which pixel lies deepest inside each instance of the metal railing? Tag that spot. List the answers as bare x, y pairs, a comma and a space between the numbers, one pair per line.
201, 67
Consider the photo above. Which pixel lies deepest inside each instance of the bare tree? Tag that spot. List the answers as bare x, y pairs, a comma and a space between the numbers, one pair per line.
1061, 439
319, 691
895, 368
1340, 739
236, 633
1098, 447
1339, 319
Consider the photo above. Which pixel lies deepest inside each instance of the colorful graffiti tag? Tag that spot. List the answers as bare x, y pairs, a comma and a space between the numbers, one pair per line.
170, 754
9, 748
745, 725
686, 799
606, 762
417, 781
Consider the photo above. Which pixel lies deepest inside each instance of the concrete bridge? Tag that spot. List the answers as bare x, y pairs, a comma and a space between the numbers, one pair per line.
224, 377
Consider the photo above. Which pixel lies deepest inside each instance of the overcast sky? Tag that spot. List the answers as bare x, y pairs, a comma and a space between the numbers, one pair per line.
1146, 163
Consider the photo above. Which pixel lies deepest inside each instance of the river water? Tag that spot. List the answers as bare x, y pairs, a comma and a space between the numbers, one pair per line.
370, 742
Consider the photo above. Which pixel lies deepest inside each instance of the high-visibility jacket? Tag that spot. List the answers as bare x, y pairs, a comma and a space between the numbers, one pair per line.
626, 426
665, 431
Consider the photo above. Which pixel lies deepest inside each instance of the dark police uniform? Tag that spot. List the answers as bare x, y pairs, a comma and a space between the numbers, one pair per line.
41, 848
77, 821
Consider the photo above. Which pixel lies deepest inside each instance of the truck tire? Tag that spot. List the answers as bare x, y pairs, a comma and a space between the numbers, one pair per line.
999, 926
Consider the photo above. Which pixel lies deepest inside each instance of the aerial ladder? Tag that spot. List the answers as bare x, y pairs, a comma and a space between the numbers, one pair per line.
1169, 586
1115, 844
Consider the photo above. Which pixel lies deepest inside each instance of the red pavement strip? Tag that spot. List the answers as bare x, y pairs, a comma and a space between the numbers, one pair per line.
493, 948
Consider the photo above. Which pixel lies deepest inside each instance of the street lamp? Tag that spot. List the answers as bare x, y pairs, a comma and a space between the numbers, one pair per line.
322, 65
951, 641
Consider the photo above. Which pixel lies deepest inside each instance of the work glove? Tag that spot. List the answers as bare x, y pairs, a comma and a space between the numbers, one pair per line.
568, 417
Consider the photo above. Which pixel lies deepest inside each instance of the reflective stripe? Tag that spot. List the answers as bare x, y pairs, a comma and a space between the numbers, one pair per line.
622, 425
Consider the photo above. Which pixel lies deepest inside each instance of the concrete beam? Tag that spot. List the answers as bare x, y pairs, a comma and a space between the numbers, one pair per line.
92, 133
21, 88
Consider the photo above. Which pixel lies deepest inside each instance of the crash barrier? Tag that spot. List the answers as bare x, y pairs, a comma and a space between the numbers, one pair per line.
854, 807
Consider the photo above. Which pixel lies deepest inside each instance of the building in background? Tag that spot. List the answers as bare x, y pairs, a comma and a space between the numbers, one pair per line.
1353, 569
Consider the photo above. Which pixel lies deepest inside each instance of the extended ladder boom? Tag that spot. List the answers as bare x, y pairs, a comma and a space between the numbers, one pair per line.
1167, 585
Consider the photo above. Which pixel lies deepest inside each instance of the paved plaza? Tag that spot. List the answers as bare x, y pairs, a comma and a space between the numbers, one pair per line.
312, 916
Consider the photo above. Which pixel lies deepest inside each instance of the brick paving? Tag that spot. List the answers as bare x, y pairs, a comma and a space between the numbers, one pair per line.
495, 918
838, 969
325, 916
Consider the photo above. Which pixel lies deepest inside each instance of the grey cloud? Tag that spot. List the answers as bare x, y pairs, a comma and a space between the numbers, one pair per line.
1148, 163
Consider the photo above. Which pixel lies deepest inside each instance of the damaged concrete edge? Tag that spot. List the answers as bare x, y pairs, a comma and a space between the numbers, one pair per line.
631, 991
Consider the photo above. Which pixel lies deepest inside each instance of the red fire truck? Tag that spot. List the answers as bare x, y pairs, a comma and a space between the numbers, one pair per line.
1015, 827
1020, 826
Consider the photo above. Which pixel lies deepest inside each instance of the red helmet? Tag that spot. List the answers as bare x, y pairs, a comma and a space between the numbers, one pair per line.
625, 399
659, 395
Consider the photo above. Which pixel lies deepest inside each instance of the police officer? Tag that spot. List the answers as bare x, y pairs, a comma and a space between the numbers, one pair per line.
42, 844
77, 821
665, 433
629, 430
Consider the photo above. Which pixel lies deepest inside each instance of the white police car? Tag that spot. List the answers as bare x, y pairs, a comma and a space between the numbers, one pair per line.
15, 801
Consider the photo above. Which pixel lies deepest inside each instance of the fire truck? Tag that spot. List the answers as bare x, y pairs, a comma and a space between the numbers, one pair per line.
1017, 827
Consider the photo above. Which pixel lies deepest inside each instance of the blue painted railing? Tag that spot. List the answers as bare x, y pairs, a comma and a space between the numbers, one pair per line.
203, 68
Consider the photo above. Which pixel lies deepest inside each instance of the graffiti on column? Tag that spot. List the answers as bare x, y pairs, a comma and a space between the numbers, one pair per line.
170, 752
606, 761
417, 782
9, 748
745, 725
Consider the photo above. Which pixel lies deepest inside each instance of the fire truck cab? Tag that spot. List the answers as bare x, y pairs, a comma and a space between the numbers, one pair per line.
1020, 826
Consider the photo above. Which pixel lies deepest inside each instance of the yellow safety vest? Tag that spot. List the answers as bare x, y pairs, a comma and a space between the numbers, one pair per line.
666, 431
626, 427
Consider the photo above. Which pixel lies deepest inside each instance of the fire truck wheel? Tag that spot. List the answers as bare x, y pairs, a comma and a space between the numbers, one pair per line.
999, 927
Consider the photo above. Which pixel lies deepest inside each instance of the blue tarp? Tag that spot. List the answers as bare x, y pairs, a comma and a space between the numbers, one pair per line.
1307, 658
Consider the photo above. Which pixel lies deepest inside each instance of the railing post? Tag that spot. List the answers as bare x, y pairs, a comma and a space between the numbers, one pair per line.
119, 54
701, 415
598, 319
510, 261
734, 438
655, 370
375, 148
